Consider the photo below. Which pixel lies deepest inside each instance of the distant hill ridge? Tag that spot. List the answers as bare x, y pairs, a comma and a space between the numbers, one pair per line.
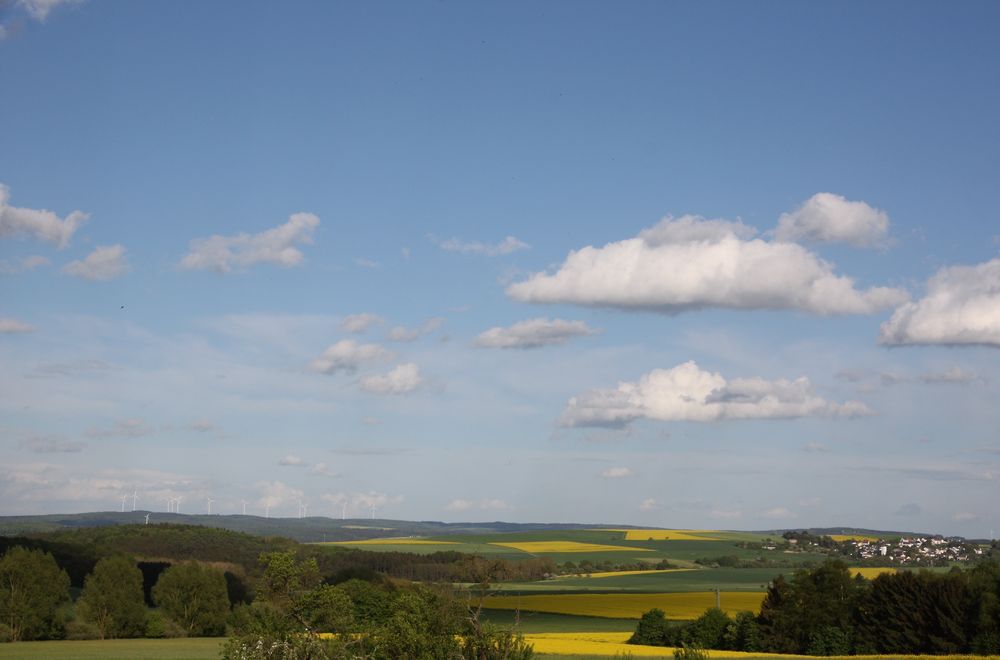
320, 528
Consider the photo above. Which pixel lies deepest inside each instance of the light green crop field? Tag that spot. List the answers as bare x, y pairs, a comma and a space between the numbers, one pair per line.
116, 649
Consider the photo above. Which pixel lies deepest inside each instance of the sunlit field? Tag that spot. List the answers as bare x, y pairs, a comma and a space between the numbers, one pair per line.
665, 534
678, 606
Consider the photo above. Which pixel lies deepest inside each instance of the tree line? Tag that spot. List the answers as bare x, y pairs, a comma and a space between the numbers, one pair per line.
295, 612
826, 611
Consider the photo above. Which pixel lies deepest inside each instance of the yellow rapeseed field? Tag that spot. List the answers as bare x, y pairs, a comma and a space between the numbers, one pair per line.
870, 573
541, 547
852, 537
611, 644
664, 534
683, 606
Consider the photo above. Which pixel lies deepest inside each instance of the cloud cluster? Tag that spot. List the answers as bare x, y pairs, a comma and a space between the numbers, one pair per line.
274, 246
961, 307
105, 263
533, 333
38, 224
402, 379
364, 503
506, 246
829, 218
690, 263
13, 326
688, 393
616, 473
348, 355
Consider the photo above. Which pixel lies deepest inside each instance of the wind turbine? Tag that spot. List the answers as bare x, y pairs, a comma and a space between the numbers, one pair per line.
147, 519
343, 511
135, 496
210, 500
372, 511
244, 507
177, 504
124, 497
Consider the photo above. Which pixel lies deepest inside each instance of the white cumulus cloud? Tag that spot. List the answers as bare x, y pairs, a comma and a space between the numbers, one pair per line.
648, 504
829, 218
401, 379
688, 393
506, 246
348, 355
533, 333
105, 263
274, 246
40, 9
616, 473
960, 307
13, 326
690, 263
291, 461
39, 224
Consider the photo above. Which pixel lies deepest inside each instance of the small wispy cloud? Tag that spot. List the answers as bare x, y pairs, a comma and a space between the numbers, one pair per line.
506, 246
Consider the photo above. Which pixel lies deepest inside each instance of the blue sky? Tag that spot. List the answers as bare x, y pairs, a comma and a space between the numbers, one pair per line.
676, 264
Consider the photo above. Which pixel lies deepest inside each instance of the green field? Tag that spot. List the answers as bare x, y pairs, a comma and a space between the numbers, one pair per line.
116, 649
535, 622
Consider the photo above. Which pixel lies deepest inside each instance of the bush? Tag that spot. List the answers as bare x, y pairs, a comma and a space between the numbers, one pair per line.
5, 633
78, 630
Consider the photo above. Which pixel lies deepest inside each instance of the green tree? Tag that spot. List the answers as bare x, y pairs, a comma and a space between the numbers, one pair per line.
652, 629
33, 590
112, 599
194, 596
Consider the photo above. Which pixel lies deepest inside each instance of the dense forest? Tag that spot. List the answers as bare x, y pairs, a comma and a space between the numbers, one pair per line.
824, 611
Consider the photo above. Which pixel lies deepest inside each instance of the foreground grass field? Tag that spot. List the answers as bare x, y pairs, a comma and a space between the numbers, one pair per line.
116, 649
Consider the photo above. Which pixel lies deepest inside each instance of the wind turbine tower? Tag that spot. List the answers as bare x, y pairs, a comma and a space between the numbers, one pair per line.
124, 497
147, 519
210, 500
343, 511
135, 496
244, 507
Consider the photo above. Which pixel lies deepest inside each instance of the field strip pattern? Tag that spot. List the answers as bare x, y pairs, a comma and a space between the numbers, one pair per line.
680, 606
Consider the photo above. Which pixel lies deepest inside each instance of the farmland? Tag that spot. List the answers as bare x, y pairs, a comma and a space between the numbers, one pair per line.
677, 606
